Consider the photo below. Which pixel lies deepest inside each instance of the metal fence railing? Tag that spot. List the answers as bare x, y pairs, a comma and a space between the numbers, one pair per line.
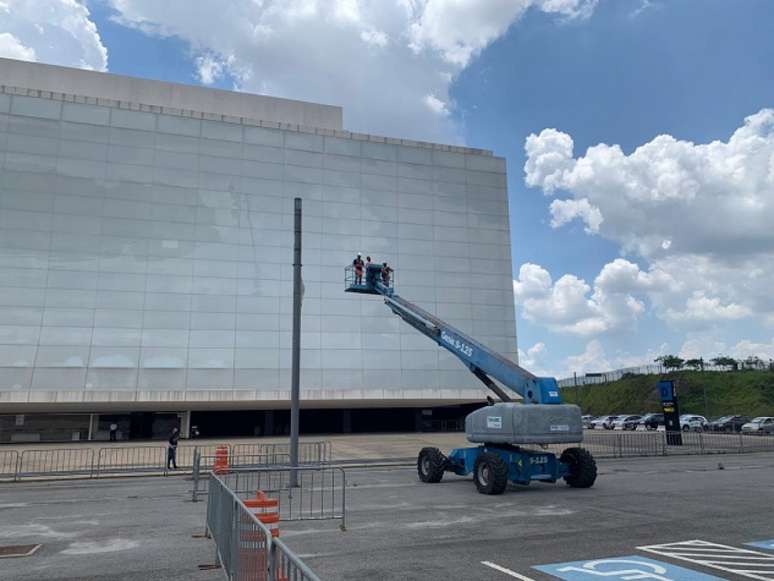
131, 459
632, 444
245, 547
55, 462
123, 460
320, 492
203, 464
313, 452
9, 460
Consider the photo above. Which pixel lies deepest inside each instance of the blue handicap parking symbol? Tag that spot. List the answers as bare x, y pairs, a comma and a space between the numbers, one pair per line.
763, 544
624, 568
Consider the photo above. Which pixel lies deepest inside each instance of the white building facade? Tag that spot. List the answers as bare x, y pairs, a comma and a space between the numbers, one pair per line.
146, 251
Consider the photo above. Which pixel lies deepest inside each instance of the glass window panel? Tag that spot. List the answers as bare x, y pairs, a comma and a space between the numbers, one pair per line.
132, 119
221, 130
220, 148
305, 158
19, 334
382, 151
448, 159
117, 318
65, 335
211, 358
116, 337
263, 136
341, 146
70, 356
179, 125
114, 357
83, 113
304, 141
166, 320
34, 107
202, 338
165, 338
16, 356
58, 379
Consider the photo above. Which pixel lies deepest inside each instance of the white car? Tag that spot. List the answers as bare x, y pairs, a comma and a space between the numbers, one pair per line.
690, 422
601, 422
759, 426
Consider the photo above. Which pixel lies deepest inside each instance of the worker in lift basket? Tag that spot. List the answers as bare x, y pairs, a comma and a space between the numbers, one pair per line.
386, 270
359, 265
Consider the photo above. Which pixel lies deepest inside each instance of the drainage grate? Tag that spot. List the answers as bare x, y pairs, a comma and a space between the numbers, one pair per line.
18, 550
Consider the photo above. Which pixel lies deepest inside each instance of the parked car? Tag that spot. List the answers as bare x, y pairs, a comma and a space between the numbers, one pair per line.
690, 422
587, 421
762, 425
652, 421
729, 423
610, 423
626, 422
600, 422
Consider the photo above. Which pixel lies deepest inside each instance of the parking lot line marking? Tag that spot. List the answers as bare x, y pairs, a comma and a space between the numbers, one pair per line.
513, 574
743, 562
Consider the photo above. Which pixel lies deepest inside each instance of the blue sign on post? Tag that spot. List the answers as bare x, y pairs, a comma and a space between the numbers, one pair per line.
629, 568
763, 544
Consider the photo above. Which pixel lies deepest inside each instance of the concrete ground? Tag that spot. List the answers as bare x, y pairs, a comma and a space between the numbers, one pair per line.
398, 528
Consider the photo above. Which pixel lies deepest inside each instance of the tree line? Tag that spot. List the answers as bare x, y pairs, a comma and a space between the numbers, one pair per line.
673, 362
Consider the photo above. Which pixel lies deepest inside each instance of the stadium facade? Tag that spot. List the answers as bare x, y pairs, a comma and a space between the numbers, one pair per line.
146, 249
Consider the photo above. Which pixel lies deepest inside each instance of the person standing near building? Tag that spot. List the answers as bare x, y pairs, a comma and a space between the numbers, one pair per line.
172, 450
113, 432
359, 265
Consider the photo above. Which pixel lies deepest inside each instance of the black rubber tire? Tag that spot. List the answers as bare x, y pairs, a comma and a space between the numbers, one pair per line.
490, 473
686, 428
582, 466
431, 464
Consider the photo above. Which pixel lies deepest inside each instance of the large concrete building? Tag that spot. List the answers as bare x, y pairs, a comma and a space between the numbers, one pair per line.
146, 249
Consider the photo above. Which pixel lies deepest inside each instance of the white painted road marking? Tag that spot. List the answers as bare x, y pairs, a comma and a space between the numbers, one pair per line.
513, 574
744, 562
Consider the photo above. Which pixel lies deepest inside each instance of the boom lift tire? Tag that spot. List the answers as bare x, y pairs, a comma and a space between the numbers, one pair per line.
582, 466
490, 473
431, 465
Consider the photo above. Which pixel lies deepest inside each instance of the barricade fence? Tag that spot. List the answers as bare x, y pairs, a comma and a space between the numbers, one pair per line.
319, 493
203, 464
245, 547
121, 460
9, 461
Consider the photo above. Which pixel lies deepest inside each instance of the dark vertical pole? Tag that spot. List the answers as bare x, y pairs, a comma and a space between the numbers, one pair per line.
295, 390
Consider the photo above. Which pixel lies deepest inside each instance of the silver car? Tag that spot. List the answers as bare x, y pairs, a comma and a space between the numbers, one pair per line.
691, 422
759, 426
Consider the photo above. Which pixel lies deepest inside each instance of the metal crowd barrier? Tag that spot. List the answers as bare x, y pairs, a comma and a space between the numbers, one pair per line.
9, 460
243, 545
55, 462
317, 452
121, 460
320, 494
202, 464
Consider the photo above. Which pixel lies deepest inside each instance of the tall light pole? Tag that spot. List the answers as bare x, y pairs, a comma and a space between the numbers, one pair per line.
295, 389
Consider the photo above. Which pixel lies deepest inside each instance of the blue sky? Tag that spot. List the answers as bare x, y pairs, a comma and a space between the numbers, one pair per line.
663, 244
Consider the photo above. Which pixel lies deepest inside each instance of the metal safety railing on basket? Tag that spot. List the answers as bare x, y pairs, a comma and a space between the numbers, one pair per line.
244, 546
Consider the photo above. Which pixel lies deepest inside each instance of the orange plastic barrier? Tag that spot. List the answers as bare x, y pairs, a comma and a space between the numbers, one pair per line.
220, 466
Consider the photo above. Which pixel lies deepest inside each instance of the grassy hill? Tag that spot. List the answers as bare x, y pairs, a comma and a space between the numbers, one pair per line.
738, 392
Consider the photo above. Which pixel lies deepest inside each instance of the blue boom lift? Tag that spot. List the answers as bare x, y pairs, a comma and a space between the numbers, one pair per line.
500, 429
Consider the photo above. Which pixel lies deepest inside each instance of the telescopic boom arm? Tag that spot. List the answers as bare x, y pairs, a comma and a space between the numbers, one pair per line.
482, 361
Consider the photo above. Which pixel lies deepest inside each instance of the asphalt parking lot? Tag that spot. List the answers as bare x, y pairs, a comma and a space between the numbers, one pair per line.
399, 528
402, 529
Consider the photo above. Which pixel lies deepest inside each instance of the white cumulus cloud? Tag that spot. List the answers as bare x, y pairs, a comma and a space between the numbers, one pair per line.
58, 32
12, 48
571, 305
699, 214
389, 63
